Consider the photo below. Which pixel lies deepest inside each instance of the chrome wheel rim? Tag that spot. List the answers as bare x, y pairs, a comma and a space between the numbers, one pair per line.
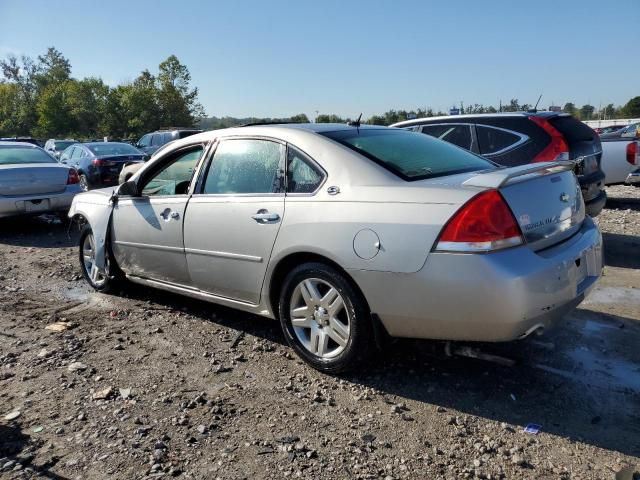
89, 261
84, 186
320, 318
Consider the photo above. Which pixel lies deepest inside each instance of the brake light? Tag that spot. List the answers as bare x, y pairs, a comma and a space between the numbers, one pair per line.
98, 162
72, 178
557, 149
633, 154
485, 223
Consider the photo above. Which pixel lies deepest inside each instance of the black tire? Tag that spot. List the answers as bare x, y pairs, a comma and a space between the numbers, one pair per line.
106, 283
360, 341
84, 182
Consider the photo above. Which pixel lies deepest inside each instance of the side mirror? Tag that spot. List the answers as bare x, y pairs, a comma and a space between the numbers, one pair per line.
128, 189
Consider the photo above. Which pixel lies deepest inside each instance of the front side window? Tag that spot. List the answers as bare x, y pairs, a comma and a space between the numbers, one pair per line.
242, 166
493, 140
175, 177
409, 155
459, 135
302, 175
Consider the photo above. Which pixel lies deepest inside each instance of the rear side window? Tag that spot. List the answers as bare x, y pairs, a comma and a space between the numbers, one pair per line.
187, 133
302, 175
20, 155
156, 139
410, 155
245, 166
459, 135
166, 137
494, 140
77, 152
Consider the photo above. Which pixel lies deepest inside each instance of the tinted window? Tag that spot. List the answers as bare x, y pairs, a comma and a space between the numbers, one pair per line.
16, 155
174, 178
76, 153
156, 139
459, 135
245, 166
166, 137
113, 149
409, 155
302, 175
492, 140
144, 141
61, 145
187, 133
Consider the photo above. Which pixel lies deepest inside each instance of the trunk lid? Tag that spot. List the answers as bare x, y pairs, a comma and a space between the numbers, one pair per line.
584, 143
113, 160
544, 198
32, 179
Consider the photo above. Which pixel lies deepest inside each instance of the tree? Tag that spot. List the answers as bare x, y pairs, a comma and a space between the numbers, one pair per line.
299, 118
22, 74
586, 112
325, 118
52, 68
178, 103
569, 108
54, 116
631, 109
87, 100
9, 109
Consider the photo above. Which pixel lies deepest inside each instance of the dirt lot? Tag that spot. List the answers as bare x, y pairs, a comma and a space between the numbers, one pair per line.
150, 384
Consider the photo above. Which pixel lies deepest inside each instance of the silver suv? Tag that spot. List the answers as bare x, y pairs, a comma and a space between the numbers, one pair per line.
151, 142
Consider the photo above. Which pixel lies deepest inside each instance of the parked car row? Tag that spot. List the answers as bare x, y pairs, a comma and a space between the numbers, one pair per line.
348, 233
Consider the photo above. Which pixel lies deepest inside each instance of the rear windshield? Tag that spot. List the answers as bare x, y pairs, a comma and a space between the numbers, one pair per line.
113, 149
410, 155
18, 155
61, 145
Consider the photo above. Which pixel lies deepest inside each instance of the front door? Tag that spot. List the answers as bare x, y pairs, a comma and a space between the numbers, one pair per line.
232, 222
147, 230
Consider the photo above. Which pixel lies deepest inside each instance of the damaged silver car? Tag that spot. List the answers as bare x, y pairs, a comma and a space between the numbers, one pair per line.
342, 231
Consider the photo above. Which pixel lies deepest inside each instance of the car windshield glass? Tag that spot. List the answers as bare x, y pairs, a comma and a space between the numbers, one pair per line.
60, 146
113, 149
16, 155
410, 155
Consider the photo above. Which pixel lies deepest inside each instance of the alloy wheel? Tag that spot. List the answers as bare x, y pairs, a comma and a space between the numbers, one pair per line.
320, 318
89, 261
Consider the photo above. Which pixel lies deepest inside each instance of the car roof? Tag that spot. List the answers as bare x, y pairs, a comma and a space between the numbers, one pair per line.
472, 116
19, 144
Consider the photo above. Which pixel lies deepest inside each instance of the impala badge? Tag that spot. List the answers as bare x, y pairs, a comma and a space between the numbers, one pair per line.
564, 197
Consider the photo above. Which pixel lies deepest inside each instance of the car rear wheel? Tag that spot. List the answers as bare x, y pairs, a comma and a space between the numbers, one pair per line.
98, 280
324, 318
84, 182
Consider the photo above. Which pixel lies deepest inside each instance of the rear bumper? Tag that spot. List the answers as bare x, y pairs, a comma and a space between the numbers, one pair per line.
493, 297
105, 176
633, 178
24, 204
594, 206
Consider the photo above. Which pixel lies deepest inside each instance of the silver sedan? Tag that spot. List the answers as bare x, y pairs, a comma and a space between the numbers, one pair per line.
345, 232
33, 182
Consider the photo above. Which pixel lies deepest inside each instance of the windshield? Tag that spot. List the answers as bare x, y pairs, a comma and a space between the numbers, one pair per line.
18, 155
61, 145
410, 155
113, 149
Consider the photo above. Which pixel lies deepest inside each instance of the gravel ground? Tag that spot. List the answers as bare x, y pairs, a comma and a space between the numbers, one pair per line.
148, 384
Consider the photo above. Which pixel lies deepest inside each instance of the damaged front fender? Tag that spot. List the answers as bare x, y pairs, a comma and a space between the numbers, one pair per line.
96, 208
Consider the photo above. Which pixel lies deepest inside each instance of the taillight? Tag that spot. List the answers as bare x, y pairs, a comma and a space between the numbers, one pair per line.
485, 223
98, 162
72, 178
557, 149
633, 154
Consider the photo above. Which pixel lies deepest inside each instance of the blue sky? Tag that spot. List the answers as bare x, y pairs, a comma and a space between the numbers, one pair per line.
278, 57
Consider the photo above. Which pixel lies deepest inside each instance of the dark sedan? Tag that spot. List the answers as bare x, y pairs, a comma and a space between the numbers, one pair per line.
99, 163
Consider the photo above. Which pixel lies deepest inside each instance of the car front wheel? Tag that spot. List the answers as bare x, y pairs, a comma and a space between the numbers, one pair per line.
100, 281
324, 318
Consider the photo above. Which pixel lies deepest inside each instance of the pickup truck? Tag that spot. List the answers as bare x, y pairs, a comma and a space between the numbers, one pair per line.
621, 158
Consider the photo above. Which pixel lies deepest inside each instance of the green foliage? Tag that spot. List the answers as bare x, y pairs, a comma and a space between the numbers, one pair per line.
632, 108
41, 98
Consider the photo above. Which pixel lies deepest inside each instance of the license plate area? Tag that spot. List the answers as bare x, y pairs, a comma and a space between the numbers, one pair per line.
36, 205
586, 268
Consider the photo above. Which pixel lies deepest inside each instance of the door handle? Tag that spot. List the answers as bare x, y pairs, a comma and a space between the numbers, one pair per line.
167, 214
263, 216
175, 215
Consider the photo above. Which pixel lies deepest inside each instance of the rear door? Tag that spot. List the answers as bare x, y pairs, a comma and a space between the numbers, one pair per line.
233, 220
147, 230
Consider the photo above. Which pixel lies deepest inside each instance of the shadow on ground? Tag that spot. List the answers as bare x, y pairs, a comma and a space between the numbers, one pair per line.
46, 231
623, 203
14, 446
621, 250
